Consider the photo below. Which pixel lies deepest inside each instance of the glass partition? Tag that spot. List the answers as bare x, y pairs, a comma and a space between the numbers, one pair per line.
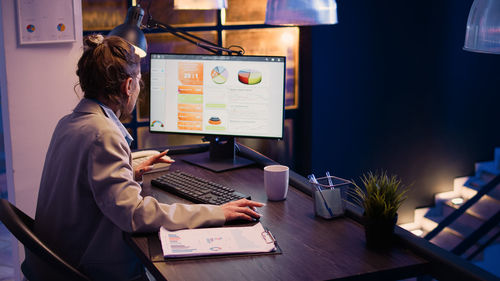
281, 41
163, 11
244, 12
103, 15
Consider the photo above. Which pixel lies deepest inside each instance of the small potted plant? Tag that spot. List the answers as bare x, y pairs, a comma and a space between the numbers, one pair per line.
380, 196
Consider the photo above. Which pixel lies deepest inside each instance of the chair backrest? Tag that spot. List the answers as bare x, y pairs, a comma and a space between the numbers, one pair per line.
45, 262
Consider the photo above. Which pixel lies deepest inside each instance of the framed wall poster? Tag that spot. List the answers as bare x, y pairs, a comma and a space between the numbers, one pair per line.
46, 21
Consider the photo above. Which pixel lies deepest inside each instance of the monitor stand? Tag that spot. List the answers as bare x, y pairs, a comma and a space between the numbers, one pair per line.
220, 157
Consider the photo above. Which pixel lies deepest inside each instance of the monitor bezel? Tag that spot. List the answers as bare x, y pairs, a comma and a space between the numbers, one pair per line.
208, 134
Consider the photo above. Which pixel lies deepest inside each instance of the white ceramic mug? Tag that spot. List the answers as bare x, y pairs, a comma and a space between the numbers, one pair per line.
276, 182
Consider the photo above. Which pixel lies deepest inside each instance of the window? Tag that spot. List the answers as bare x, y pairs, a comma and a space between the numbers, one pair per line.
242, 24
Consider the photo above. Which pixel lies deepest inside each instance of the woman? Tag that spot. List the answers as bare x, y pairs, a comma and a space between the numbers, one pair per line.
88, 194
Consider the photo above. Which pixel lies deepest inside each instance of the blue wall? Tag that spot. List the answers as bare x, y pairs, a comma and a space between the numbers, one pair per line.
392, 89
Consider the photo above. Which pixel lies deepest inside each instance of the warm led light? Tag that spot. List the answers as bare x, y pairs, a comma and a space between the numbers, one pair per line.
417, 232
140, 52
223, 16
287, 39
457, 201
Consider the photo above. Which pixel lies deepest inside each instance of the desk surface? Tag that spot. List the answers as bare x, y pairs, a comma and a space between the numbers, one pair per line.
312, 248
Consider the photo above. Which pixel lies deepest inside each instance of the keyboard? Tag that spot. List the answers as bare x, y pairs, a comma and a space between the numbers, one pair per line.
196, 189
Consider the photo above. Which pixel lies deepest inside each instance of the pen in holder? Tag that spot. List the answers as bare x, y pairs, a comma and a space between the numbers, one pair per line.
328, 193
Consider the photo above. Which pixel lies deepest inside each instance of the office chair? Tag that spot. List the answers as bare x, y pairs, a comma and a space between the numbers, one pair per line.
41, 262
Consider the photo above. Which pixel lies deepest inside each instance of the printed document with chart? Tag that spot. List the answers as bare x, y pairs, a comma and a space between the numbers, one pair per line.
216, 241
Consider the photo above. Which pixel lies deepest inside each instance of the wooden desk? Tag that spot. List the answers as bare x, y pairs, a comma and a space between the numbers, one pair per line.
313, 248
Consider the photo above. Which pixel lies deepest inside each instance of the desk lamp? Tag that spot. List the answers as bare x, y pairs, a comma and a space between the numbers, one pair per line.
130, 31
483, 27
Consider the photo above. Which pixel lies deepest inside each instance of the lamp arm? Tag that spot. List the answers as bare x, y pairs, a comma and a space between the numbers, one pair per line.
200, 42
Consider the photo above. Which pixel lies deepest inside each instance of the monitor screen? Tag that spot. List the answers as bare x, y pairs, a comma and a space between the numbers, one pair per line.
214, 95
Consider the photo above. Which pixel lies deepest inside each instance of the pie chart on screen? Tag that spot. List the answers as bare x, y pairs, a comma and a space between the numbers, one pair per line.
219, 75
249, 77
30, 28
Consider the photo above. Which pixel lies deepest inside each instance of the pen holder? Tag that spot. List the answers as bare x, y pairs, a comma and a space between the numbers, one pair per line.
328, 196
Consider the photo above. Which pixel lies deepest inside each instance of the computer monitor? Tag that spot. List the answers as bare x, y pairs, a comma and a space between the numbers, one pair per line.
219, 97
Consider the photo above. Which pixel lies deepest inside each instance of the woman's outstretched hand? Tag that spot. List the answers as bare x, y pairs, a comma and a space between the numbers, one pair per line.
241, 209
148, 164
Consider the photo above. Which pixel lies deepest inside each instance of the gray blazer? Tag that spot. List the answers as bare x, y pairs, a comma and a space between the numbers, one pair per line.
88, 196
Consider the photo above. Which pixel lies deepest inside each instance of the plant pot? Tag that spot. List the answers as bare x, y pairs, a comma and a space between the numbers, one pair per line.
379, 232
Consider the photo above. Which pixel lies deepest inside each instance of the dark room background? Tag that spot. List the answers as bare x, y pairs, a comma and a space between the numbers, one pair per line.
392, 89
387, 88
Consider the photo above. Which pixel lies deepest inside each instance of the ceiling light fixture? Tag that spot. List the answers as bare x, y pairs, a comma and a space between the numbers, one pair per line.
483, 27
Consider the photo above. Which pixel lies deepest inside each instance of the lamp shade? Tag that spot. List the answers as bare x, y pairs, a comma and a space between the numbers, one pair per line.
200, 4
483, 27
130, 30
301, 12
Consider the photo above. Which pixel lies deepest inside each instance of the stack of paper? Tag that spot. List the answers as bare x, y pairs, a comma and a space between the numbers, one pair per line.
216, 241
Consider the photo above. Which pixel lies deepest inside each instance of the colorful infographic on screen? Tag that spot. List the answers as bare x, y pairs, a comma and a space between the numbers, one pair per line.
217, 95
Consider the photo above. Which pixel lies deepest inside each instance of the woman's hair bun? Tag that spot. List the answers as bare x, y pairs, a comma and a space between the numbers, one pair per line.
92, 41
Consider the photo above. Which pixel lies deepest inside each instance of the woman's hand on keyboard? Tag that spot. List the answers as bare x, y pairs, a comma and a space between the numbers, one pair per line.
147, 165
241, 209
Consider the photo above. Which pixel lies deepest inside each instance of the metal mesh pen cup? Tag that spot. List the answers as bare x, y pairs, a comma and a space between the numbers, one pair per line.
328, 196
